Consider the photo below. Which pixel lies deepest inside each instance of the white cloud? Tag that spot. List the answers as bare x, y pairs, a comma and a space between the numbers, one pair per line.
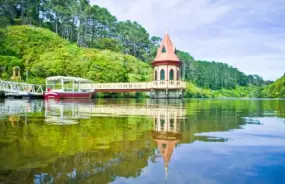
246, 34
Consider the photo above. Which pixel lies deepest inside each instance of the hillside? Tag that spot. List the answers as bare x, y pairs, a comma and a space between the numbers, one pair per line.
275, 90
43, 53
216, 75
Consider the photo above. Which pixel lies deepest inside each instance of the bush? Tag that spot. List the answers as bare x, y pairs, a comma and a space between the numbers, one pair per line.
275, 90
193, 91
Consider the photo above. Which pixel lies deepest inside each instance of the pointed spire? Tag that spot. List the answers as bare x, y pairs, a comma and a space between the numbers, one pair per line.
166, 51
166, 148
166, 172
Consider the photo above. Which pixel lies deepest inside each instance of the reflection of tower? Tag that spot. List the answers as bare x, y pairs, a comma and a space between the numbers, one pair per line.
167, 133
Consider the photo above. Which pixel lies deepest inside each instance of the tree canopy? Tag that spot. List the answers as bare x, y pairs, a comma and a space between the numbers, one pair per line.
78, 21
43, 53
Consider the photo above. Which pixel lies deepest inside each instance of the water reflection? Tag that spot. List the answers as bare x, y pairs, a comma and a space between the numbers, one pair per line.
127, 141
166, 133
66, 113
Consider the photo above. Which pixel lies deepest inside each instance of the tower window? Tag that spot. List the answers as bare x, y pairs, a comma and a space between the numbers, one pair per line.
163, 49
178, 75
162, 75
171, 75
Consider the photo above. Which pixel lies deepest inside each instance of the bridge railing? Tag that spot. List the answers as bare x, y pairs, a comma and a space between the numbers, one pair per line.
136, 86
16, 87
168, 85
139, 85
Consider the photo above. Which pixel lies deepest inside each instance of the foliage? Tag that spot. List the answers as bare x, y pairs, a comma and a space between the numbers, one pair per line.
108, 44
240, 92
215, 75
43, 53
78, 21
193, 91
275, 90
6, 65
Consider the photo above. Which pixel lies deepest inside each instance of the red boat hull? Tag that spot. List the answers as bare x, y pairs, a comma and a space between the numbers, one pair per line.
68, 95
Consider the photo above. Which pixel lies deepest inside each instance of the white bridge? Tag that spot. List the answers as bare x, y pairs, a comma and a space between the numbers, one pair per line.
134, 86
20, 88
25, 89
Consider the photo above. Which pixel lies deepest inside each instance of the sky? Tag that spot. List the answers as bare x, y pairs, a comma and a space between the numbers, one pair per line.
246, 34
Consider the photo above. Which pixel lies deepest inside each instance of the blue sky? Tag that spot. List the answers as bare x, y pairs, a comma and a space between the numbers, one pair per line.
247, 34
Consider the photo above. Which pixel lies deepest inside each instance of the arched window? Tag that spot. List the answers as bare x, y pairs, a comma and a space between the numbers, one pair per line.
171, 123
171, 75
178, 75
163, 49
162, 75
162, 124
155, 75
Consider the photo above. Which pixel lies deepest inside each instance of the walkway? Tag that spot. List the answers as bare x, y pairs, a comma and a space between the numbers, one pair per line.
134, 87
20, 88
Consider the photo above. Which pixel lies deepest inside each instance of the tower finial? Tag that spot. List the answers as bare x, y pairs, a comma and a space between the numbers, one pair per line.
166, 31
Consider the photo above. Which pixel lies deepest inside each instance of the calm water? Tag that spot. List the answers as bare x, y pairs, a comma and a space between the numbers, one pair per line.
142, 141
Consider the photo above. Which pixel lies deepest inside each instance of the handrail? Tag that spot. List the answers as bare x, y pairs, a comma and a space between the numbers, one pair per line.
136, 85
16, 87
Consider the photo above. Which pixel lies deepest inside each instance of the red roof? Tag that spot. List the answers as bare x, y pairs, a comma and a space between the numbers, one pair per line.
166, 51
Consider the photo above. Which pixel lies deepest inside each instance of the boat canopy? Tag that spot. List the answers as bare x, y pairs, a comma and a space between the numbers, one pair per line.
68, 78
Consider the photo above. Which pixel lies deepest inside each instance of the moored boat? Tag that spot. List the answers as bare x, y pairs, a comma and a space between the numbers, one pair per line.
63, 87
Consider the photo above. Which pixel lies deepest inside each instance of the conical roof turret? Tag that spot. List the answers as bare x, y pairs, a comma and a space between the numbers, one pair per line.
166, 51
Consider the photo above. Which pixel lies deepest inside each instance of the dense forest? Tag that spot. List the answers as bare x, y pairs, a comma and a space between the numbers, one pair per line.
216, 75
91, 33
79, 22
41, 53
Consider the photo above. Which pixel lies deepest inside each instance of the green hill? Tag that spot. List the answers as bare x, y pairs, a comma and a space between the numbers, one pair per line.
42, 53
275, 90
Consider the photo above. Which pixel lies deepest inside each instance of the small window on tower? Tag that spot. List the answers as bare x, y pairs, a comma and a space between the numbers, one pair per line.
163, 49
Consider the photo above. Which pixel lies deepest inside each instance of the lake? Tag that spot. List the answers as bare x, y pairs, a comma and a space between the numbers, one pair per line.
142, 141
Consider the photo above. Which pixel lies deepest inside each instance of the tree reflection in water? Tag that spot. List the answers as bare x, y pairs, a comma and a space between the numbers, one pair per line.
111, 138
